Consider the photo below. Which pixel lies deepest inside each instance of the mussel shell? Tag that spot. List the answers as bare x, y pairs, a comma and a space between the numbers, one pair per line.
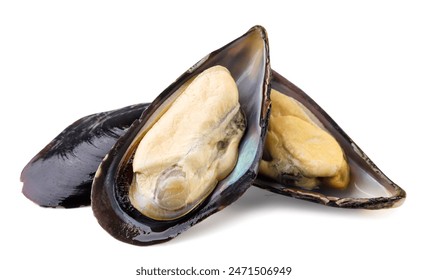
247, 58
370, 188
61, 174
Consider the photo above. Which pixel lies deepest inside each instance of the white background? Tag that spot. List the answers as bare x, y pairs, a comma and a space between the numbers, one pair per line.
365, 63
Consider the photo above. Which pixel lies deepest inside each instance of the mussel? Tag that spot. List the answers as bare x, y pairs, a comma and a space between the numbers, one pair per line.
171, 170
358, 183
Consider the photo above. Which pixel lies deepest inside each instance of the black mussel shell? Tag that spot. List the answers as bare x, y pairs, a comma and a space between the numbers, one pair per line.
61, 174
369, 187
247, 59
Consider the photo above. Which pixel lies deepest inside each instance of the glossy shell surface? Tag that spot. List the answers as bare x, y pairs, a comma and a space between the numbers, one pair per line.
61, 174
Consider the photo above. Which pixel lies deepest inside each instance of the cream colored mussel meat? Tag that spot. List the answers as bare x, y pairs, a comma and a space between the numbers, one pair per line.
298, 148
191, 147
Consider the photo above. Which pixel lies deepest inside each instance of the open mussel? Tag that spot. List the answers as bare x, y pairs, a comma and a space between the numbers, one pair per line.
194, 150
61, 174
308, 156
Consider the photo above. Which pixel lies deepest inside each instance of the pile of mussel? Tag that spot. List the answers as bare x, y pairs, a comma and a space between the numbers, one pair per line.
151, 171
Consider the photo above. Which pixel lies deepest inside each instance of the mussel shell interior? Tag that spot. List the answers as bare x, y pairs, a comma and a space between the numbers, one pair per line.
247, 60
369, 187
